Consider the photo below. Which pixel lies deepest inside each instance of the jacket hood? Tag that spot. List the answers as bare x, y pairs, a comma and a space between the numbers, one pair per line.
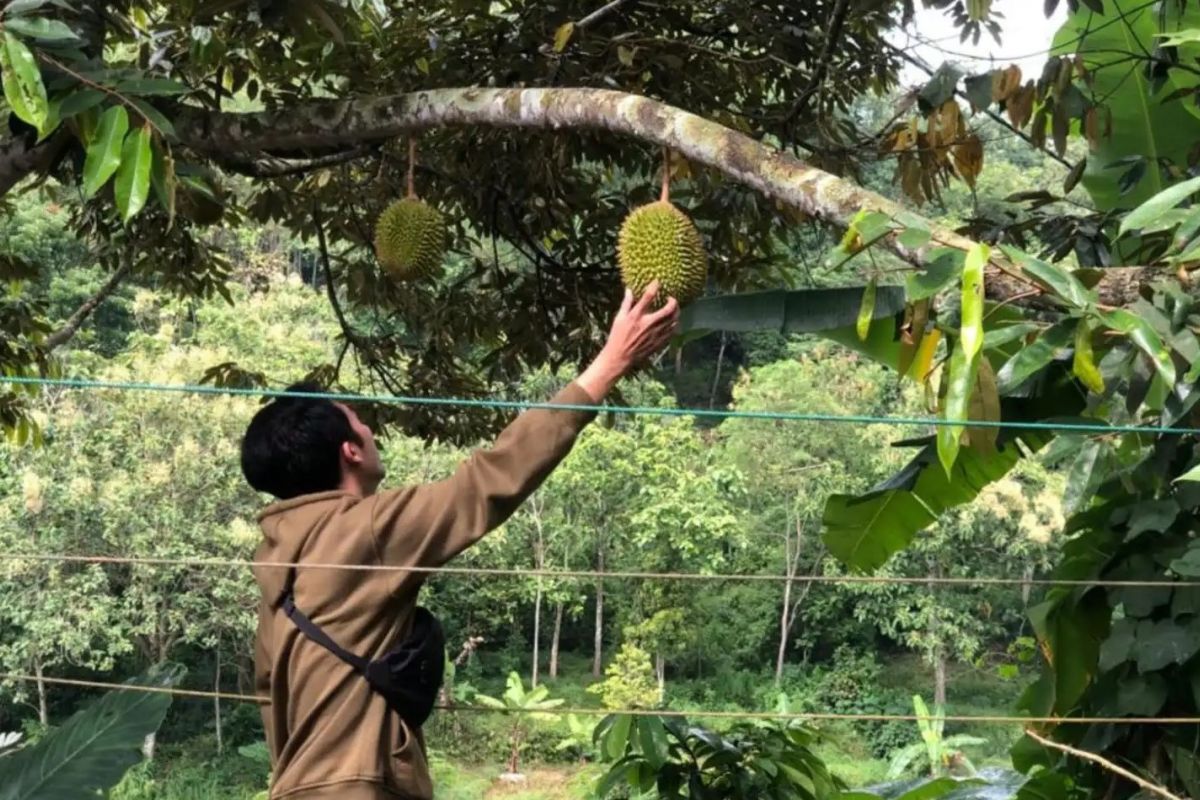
287, 526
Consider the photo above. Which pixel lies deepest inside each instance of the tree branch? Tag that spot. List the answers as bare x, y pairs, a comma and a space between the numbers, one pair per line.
1105, 763
76, 320
335, 124
837, 22
599, 14
279, 168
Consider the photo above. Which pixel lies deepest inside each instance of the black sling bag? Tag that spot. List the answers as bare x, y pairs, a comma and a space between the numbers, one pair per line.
408, 676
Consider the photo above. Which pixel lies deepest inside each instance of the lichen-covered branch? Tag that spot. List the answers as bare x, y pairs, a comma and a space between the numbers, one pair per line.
319, 127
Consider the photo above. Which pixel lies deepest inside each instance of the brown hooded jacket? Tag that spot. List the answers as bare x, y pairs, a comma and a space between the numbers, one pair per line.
329, 734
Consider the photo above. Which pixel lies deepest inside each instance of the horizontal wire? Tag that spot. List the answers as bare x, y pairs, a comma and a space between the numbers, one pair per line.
597, 575
786, 416
818, 716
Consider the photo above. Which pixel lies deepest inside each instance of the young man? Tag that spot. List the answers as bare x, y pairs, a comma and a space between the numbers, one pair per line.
330, 734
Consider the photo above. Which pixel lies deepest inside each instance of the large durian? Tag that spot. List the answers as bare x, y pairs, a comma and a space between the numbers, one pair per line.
410, 239
658, 241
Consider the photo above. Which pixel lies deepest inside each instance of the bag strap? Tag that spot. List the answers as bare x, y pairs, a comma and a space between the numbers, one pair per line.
314, 632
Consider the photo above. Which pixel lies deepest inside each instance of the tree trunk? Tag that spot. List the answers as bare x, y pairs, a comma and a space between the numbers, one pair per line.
598, 635
558, 619
939, 679
217, 702
785, 627
537, 630
148, 745
43, 710
660, 672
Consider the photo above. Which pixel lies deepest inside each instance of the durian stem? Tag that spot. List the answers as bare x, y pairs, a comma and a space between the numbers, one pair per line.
412, 164
666, 175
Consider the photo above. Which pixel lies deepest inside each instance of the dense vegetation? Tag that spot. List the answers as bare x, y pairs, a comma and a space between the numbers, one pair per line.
176, 139
658, 494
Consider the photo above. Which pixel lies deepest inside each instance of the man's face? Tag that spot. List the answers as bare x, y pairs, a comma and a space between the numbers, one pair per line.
362, 460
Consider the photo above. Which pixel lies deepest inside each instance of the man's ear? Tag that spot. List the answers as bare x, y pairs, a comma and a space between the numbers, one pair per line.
351, 453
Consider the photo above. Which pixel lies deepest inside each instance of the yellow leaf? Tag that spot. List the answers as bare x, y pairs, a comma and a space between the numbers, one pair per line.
562, 36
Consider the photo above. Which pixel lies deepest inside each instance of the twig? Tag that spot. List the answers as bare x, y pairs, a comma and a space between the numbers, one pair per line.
412, 165
76, 320
837, 22
105, 89
1104, 762
279, 168
347, 330
666, 176
599, 14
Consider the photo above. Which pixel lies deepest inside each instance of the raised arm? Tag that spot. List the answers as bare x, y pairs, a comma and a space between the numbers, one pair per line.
430, 524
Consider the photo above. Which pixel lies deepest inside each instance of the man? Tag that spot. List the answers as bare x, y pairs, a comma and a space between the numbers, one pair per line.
330, 734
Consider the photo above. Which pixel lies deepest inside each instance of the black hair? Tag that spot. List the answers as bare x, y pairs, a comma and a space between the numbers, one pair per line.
292, 445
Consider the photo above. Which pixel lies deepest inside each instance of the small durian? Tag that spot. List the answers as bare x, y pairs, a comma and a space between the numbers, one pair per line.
658, 241
410, 239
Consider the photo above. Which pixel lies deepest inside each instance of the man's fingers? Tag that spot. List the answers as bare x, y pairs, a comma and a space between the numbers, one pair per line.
647, 297
670, 308
626, 302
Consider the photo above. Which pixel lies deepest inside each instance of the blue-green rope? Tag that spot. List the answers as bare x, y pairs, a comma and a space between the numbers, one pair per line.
787, 416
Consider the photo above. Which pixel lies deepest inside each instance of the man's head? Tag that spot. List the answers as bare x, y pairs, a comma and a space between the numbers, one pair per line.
300, 445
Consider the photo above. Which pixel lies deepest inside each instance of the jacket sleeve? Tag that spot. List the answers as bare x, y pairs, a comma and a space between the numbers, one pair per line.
428, 525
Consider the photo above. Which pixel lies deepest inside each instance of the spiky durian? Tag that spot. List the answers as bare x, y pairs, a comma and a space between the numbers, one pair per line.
658, 241
410, 239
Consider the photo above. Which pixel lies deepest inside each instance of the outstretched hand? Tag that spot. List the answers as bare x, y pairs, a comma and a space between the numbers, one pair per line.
637, 334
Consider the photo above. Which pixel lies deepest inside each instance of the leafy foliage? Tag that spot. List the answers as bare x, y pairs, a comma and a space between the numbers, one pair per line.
91, 751
680, 760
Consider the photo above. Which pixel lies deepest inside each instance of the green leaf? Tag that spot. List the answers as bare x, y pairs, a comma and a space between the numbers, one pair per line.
1188, 565
1142, 334
802, 311
152, 86
23, 87
1191, 475
1117, 647
865, 532
1151, 515
89, 753
1141, 122
80, 101
104, 150
942, 270
133, 176
1062, 283
1159, 204
961, 380
618, 737
155, 118
162, 177
866, 311
1141, 695
41, 28
1033, 358
971, 333
1087, 472
914, 238
652, 736
1165, 642
1085, 360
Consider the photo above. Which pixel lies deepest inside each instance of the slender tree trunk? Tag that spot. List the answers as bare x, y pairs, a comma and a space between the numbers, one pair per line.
217, 702
712, 395
784, 628
43, 710
598, 636
939, 679
660, 672
539, 560
1026, 585
558, 619
537, 630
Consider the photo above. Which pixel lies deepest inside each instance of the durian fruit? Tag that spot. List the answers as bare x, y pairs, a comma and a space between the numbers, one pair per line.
410, 239
658, 241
